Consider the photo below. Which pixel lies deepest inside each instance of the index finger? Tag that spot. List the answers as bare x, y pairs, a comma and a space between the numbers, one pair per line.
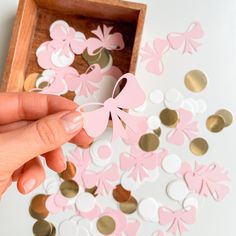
31, 106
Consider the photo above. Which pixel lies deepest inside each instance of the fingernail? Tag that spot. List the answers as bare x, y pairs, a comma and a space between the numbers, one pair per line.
29, 185
72, 121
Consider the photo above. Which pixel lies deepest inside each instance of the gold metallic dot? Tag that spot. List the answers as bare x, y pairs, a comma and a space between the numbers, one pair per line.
120, 194
69, 95
195, 80
169, 117
92, 190
69, 188
38, 208
157, 132
30, 81
42, 228
226, 115
106, 225
69, 172
149, 142
215, 123
199, 146
129, 206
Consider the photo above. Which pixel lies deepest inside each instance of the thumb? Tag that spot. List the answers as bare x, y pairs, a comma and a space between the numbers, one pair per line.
42, 136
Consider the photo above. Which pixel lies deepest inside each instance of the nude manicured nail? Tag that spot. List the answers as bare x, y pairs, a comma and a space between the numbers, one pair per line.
72, 121
29, 185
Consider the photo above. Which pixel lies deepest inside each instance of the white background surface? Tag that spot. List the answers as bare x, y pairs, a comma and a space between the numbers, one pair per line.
217, 57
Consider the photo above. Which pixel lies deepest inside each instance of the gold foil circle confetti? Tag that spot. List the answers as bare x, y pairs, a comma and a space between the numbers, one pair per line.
199, 146
43, 228
30, 81
69, 172
215, 123
157, 132
106, 225
195, 80
120, 194
149, 142
226, 115
92, 190
69, 188
169, 117
129, 206
38, 208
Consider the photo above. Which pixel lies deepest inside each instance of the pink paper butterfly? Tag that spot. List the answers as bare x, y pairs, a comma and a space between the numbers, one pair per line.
178, 220
130, 96
84, 84
188, 39
154, 55
140, 163
185, 127
105, 40
104, 180
208, 180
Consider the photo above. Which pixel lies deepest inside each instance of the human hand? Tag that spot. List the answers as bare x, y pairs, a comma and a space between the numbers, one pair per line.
31, 125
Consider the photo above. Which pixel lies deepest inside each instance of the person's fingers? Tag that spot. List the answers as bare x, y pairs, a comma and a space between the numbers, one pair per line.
82, 139
13, 126
31, 106
55, 160
31, 177
17, 173
38, 138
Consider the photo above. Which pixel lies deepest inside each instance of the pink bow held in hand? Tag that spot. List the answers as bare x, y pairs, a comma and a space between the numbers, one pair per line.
105, 40
185, 127
177, 219
131, 96
188, 38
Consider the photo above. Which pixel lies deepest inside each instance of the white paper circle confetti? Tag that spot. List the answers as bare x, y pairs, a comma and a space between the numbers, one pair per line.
190, 201
68, 227
153, 122
85, 202
156, 96
171, 163
173, 99
141, 108
148, 209
101, 152
177, 190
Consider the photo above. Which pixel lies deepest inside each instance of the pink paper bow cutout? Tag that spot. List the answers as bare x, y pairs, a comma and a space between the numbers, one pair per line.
185, 127
154, 55
188, 38
81, 163
67, 37
177, 219
208, 180
139, 162
131, 96
105, 40
102, 179
84, 84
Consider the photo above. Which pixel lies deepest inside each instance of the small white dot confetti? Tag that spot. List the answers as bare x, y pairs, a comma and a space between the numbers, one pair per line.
141, 108
153, 122
156, 96
202, 106
177, 190
172, 95
101, 152
148, 209
171, 163
85, 202
190, 201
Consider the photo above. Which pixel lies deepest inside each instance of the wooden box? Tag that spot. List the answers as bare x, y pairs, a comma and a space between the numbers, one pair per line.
34, 18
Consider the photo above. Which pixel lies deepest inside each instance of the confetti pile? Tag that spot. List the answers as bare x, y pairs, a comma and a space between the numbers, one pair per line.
95, 174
